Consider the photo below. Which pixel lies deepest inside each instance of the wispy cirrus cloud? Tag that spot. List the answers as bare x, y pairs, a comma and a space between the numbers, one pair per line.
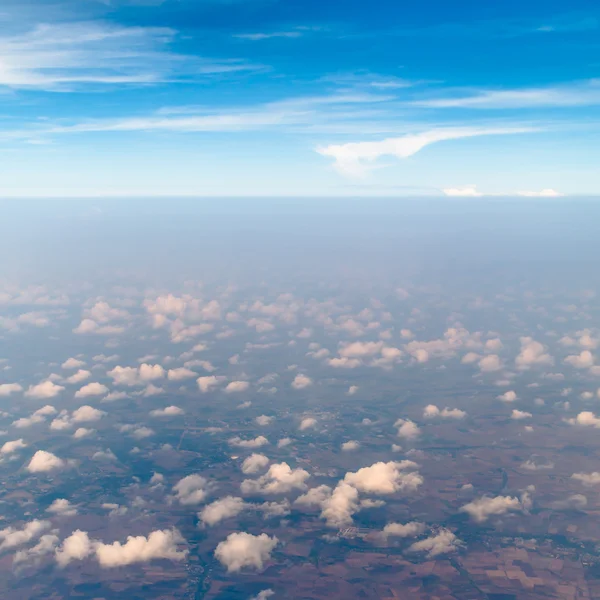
255, 37
68, 56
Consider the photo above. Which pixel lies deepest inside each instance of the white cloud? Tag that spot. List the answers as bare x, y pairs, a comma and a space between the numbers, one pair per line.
83, 432
431, 411
403, 530
588, 479
263, 594
62, 507
208, 382
91, 389
78, 377
490, 363
43, 462
315, 496
257, 442
102, 455
520, 414
279, 479
442, 543
586, 418
6, 389
407, 429
180, 374
583, 360
283, 442
483, 508
532, 353
75, 547
242, 549
11, 537
307, 423
509, 396
161, 544
254, 463
191, 489
45, 389
72, 363
338, 508
46, 545
131, 376
350, 445
386, 478
264, 420
84, 414
221, 509
168, 411
468, 191
357, 158
237, 386
545, 193
12, 447
39, 416
301, 381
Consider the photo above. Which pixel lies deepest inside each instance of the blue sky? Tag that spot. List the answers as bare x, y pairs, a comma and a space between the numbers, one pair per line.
298, 97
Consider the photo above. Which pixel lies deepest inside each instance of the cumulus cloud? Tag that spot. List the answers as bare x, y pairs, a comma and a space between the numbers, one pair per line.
62, 507
46, 545
532, 353
236, 386
588, 479
443, 542
168, 411
254, 463
350, 445
509, 396
404, 530
84, 414
180, 374
301, 381
39, 416
161, 544
83, 432
45, 389
6, 389
77, 546
585, 418
191, 490
78, 377
338, 508
131, 376
583, 360
490, 363
431, 411
407, 429
264, 420
242, 549
257, 442
12, 447
43, 462
221, 509
520, 414
12, 537
263, 594
91, 389
208, 382
72, 363
279, 479
315, 496
481, 509
386, 478
307, 423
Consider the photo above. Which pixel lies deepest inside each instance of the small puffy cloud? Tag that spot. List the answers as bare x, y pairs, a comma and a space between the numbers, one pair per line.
263, 594
257, 442
404, 530
264, 420
344, 362
221, 509
83, 414
352, 390
481, 509
46, 545
583, 360
236, 386
6, 389
588, 479
39, 416
12, 537
43, 462
140, 549
91, 389
12, 447
254, 463
191, 490
360, 349
307, 423
350, 445
315, 496
78, 377
242, 549
62, 507
407, 429
207, 383
139, 432
114, 396
75, 547
301, 381
520, 414
83, 432
573, 502
532, 354
103, 455
470, 358
283, 442
585, 418
386, 478
168, 411
338, 508
431, 411
509, 396
279, 479
131, 376
72, 363
45, 389
490, 363
442, 543
180, 374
